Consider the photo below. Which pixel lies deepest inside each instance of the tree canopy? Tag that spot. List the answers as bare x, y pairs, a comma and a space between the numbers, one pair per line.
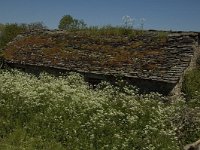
67, 22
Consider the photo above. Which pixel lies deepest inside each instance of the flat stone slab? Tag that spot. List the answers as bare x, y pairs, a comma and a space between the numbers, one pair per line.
145, 56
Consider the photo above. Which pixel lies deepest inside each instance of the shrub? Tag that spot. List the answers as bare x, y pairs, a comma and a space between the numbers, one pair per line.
67, 113
67, 22
191, 84
9, 32
189, 121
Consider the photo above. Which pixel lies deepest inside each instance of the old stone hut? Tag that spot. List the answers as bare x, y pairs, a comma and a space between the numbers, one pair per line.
151, 60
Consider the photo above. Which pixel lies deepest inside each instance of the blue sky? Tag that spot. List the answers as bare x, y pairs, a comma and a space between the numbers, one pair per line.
159, 14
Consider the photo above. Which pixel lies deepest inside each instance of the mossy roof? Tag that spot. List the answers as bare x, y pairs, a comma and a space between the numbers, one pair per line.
148, 55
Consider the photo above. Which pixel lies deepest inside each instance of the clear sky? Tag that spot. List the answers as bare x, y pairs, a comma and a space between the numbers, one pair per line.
159, 14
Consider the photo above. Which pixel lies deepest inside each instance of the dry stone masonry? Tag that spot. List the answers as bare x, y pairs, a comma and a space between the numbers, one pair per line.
152, 60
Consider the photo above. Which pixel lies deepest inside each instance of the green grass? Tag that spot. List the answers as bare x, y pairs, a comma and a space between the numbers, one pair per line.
191, 84
65, 113
19, 139
110, 31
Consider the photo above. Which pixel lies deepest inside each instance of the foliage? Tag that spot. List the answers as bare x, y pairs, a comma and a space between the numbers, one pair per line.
191, 85
35, 25
67, 22
1, 27
9, 32
65, 112
110, 31
19, 139
189, 120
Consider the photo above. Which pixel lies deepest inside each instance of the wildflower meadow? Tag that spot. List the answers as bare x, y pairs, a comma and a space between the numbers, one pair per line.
48, 112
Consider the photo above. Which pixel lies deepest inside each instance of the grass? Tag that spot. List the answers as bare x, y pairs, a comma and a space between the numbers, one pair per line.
110, 31
65, 113
191, 85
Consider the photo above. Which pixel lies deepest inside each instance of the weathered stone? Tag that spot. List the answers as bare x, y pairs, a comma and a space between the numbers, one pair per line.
141, 57
193, 146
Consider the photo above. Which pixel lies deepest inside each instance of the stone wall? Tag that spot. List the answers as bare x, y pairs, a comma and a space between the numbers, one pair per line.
191, 63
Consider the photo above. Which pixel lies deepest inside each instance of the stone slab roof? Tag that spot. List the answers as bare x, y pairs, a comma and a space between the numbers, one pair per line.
147, 55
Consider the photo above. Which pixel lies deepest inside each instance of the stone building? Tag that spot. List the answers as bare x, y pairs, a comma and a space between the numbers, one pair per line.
151, 60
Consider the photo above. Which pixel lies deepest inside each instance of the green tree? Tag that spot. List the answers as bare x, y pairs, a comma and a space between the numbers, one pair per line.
67, 22
9, 32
